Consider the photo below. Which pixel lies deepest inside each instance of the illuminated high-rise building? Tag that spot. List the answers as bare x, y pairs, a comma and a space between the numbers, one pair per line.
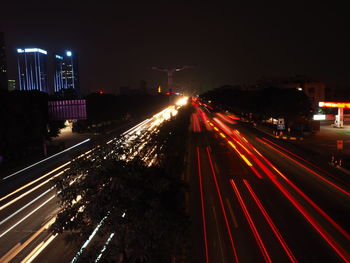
3, 64
59, 84
66, 73
32, 69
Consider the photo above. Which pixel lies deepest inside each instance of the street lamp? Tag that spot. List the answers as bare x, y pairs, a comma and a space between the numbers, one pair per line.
170, 73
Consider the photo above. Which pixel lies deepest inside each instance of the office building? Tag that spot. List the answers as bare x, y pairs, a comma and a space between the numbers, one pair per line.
3, 64
66, 73
59, 84
32, 69
11, 84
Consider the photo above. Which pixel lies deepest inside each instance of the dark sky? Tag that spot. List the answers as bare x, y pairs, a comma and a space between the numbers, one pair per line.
228, 43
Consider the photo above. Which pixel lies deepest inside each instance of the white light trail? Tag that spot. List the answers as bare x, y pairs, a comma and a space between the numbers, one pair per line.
38, 249
34, 181
29, 191
28, 215
89, 240
104, 247
24, 207
48, 158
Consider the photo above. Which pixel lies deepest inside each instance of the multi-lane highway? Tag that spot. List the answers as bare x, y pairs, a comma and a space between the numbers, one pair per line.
253, 200
28, 202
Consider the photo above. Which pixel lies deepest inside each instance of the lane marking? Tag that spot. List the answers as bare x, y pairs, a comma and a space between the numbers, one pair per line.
217, 231
231, 212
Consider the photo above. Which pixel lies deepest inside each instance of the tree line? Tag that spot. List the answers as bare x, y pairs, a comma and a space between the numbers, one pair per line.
142, 202
290, 104
26, 124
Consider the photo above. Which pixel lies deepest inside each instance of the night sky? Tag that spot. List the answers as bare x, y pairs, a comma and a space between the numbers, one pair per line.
231, 43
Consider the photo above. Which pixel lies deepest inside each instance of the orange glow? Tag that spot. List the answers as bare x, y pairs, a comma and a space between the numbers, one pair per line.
344, 105
246, 160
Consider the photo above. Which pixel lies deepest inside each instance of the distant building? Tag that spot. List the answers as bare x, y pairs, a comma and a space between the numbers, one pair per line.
11, 85
125, 90
314, 90
66, 73
32, 69
3, 64
58, 75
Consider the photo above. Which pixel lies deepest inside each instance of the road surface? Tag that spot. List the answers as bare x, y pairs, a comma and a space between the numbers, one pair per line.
253, 200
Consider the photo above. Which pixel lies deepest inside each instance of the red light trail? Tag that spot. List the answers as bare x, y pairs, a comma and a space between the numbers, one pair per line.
202, 204
251, 223
222, 205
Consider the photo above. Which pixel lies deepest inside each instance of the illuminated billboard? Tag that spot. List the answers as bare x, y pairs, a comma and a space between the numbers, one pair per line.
67, 110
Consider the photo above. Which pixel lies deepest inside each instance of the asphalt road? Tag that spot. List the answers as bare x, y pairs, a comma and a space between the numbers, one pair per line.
253, 201
250, 201
28, 202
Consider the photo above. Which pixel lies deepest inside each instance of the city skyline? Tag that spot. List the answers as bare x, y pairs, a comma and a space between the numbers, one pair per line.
226, 44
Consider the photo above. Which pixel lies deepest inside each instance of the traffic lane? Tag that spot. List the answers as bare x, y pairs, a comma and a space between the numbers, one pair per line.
58, 251
220, 244
11, 184
250, 246
18, 230
328, 198
331, 231
318, 241
302, 177
322, 162
255, 241
20, 179
32, 194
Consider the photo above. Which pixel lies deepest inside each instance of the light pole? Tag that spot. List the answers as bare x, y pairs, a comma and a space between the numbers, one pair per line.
170, 73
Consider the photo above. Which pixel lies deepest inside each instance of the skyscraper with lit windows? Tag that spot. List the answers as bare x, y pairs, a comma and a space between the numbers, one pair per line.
58, 77
32, 69
66, 73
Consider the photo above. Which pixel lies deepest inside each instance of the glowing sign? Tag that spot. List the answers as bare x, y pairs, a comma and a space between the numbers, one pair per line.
344, 105
31, 50
319, 117
59, 57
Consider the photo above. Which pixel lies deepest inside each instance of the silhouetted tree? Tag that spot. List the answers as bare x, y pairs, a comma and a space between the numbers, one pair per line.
143, 205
